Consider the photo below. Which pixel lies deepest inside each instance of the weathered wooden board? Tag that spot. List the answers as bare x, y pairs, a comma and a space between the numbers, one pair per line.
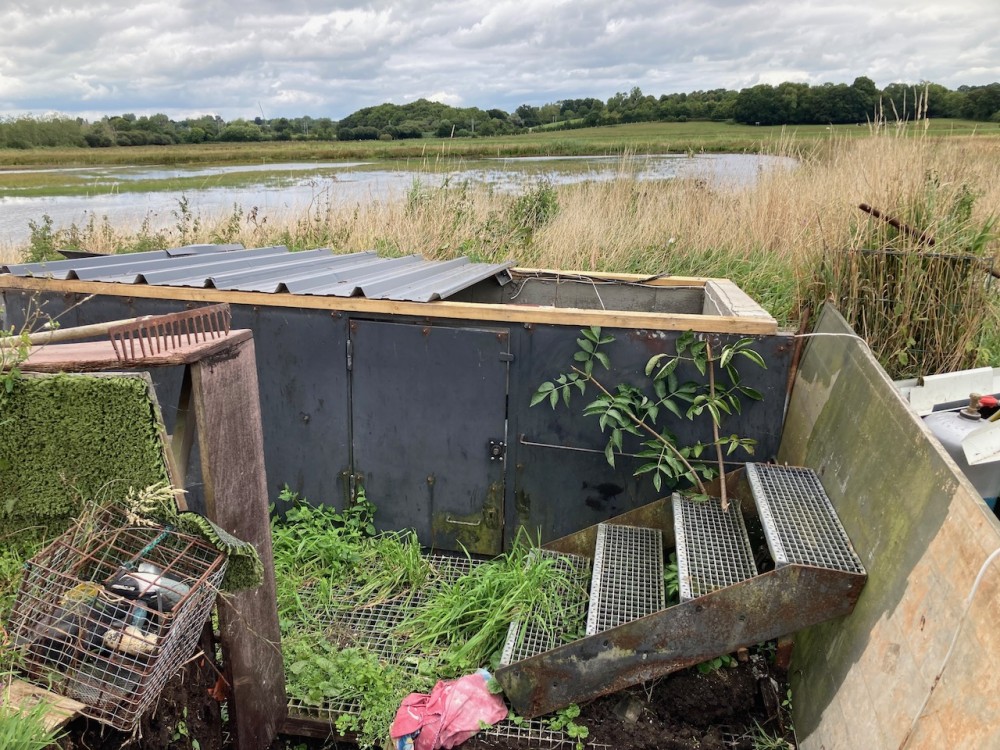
227, 410
92, 356
23, 697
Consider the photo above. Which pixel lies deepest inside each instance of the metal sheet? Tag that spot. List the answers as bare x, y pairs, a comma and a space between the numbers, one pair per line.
67, 269
426, 402
562, 480
273, 270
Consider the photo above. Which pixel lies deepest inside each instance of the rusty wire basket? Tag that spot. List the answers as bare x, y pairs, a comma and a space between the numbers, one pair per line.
110, 611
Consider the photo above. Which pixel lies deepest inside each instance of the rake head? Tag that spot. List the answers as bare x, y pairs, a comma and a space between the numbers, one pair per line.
163, 333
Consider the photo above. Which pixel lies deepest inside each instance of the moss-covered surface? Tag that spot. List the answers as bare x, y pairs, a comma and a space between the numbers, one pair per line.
70, 439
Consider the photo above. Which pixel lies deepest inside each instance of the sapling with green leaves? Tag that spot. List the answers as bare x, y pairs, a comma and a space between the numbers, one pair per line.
626, 409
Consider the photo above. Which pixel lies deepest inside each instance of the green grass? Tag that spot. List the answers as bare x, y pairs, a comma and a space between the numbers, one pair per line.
716, 137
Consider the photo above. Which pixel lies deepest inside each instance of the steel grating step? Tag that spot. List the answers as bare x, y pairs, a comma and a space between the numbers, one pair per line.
713, 549
627, 582
527, 638
799, 521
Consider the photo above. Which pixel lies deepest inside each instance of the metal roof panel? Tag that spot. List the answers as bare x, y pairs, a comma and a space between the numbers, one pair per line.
274, 270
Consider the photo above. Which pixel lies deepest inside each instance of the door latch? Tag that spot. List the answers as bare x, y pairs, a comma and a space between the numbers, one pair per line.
498, 450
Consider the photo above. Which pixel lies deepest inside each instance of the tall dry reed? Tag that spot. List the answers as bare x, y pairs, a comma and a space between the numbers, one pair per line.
772, 237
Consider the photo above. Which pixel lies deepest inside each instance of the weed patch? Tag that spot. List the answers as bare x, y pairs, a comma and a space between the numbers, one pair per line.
331, 569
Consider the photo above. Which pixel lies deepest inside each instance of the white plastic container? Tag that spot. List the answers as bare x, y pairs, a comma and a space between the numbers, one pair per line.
951, 428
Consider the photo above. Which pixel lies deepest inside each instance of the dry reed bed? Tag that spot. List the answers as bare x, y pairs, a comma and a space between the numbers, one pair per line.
767, 237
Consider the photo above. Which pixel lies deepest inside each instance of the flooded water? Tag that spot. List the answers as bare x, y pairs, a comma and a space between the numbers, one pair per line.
284, 189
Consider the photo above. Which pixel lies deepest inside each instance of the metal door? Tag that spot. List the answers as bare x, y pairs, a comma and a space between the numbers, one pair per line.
429, 412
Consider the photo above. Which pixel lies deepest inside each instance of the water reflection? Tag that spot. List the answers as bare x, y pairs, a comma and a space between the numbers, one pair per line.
283, 189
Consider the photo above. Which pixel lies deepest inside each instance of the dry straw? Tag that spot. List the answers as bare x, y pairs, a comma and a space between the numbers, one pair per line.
771, 237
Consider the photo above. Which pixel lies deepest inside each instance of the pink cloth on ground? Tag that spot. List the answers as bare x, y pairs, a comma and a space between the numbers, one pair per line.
453, 712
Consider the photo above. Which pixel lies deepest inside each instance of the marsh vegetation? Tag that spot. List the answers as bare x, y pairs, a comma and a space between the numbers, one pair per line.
784, 239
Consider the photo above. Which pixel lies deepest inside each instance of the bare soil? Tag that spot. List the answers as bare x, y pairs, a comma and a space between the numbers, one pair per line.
184, 717
719, 710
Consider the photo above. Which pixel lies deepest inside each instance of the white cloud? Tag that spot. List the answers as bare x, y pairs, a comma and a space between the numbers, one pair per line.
328, 58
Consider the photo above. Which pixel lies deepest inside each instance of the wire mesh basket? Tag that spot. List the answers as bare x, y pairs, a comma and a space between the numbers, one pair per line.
110, 611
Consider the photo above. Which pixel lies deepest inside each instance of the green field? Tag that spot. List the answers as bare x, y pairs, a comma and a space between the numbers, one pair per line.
653, 138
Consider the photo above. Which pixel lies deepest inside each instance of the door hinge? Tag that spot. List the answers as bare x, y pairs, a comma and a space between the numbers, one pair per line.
498, 450
350, 355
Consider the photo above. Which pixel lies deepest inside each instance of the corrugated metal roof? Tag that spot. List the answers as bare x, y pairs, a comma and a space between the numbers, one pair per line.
275, 270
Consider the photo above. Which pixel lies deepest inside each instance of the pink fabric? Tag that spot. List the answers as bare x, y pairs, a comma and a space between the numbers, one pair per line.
451, 714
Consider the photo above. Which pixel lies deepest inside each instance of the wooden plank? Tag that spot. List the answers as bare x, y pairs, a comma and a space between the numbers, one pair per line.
634, 278
23, 697
429, 310
93, 356
227, 412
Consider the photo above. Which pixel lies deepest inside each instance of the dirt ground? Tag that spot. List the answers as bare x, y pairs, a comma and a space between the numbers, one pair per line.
682, 711
685, 710
185, 717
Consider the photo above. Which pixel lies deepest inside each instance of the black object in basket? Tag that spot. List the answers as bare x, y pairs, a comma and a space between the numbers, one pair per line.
109, 612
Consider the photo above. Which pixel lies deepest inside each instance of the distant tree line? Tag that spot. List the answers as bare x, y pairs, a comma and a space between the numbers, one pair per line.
764, 104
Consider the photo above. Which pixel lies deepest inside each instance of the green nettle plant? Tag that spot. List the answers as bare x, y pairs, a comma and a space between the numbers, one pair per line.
643, 412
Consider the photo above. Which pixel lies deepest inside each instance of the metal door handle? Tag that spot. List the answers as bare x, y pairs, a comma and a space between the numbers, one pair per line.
449, 519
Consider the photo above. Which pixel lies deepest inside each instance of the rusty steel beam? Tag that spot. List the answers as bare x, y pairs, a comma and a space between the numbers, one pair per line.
767, 606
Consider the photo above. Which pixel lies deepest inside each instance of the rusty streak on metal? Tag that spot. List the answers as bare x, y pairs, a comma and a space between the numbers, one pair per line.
776, 603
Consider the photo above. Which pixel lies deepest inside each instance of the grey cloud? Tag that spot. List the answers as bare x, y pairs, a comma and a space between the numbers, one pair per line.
329, 58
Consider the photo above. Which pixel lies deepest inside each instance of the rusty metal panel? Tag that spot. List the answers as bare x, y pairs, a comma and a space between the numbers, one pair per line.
764, 607
428, 413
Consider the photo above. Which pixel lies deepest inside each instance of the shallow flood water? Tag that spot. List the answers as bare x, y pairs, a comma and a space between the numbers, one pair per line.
285, 189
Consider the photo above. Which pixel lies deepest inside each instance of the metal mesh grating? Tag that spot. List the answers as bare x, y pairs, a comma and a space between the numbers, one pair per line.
628, 576
713, 549
799, 521
372, 627
528, 638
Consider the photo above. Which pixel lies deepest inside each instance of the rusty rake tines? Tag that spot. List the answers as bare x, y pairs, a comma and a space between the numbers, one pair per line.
163, 333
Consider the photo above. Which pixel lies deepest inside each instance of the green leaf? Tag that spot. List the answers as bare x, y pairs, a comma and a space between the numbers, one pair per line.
554, 398
593, 333
651, 364
684, 341
714, 411
540, 394
672, 407
657, 481
609, 453
727, 356
603, 359
701, 364
751, 393
587, 346
754, 357
646, 468
581, 356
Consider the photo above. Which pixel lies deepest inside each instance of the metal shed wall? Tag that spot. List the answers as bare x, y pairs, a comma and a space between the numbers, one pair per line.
554, 477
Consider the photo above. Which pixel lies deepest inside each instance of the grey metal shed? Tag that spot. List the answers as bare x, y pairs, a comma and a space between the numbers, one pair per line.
414, 377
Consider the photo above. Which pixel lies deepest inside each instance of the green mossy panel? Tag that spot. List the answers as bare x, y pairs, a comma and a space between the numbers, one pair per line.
70, 439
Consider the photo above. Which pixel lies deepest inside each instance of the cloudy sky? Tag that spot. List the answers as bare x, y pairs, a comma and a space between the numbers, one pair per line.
329, 58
